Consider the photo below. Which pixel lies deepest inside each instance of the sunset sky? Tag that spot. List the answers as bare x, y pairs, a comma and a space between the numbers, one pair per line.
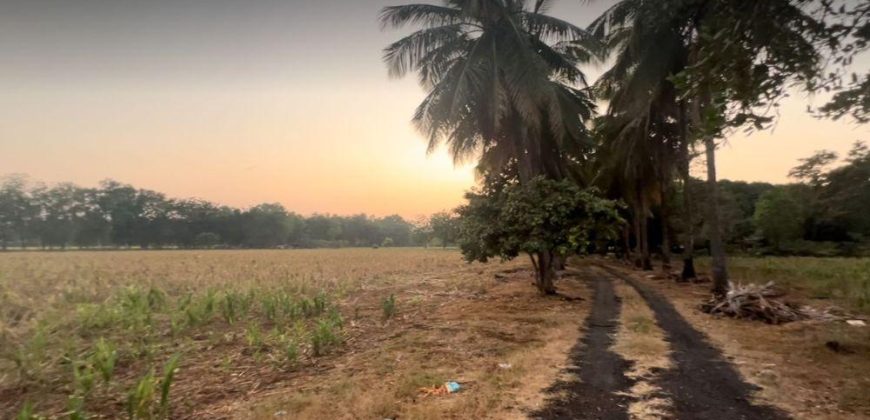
242, 102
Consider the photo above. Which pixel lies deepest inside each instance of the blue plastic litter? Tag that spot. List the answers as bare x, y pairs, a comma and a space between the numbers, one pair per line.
453, 387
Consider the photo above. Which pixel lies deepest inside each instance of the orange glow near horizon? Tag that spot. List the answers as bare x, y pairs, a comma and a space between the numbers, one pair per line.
275, 101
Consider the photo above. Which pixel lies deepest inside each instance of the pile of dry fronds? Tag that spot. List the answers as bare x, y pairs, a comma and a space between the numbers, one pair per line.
755, 302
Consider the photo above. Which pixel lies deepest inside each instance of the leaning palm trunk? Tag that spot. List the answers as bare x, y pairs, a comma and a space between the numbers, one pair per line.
717, 248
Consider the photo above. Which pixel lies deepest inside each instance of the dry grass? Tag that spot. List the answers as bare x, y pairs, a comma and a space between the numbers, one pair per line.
460, 337
790, 363
641, 341
451, 321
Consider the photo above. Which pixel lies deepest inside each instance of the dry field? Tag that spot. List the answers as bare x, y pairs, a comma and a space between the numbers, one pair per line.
259, 334
356, 334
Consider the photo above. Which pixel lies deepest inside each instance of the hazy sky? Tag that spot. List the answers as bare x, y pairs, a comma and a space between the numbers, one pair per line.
241, 102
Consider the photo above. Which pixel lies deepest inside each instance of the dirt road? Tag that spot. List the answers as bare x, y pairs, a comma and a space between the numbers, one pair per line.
701, 385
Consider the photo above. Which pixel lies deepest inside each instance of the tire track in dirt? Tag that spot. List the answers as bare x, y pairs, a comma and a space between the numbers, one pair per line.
595, 383
702, 384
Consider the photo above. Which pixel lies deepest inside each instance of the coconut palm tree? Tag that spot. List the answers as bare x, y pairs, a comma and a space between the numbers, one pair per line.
643, 102
723, 58
502, 80
503, 86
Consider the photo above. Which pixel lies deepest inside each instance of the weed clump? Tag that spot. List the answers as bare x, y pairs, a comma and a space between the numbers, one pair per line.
388, 305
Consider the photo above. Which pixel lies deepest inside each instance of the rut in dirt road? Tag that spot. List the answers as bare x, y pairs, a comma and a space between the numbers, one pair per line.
600, 371
702, 384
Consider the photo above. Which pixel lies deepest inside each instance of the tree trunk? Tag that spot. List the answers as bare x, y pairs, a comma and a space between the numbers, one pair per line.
626, 242
717, 248
638, 253
666, 241
688, 255
646, 262
545, 273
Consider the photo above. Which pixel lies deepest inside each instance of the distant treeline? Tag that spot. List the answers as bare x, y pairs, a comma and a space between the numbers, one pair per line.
119, 215
826, 213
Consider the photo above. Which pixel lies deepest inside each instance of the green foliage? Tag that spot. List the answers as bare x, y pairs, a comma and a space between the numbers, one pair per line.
254, 337
104, 358
169, 371
779, 218
325, 336
76, 407
140, 399
445, 227
26, 412
291, 351
542, 215
84, 377
117, 214
389, 306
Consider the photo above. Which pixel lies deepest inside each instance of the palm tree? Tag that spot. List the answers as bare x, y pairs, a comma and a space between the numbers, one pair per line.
503, 86
726, 58
644, 103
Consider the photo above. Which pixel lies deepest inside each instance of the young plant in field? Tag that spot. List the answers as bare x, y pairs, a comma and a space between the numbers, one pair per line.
166, 383
288, 307
104, 358
141, 398
76, 405
156, 299
389, 306
335, 317
306, 307
26, 412
229, 306
254, 337
270, 307
324, 337
320, 303
291, 351
84, 377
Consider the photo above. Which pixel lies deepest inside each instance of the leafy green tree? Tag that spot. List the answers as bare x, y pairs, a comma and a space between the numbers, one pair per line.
445, 227
779, 217
266, 226
16, 210
543, 218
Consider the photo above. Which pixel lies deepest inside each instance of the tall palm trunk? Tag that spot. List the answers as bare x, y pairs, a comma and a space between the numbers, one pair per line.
717, 248
626, 242
688, 271
638, 252
646, 262
665, 220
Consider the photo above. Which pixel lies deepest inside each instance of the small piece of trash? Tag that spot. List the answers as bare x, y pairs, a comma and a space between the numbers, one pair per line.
448, 388
452, 387
505, 365
281, 413
856, 323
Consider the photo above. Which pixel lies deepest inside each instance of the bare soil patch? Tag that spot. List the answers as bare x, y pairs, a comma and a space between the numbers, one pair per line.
792, 366
595, 384
702, 383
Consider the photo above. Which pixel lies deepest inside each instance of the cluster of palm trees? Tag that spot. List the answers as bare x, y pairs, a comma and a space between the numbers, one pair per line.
505, 87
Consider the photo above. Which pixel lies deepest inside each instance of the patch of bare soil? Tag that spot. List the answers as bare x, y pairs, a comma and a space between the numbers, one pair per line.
811, 369
642, 342
702, 384
596, 385
485, 327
